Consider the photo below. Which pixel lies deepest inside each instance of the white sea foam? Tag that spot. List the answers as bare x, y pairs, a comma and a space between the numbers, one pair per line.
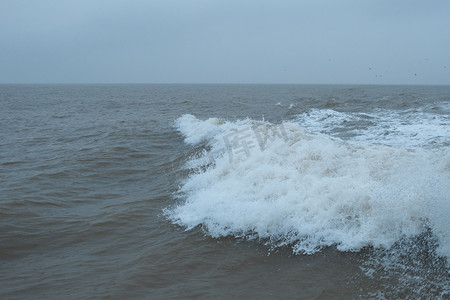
310, 190
387, 127
196, 131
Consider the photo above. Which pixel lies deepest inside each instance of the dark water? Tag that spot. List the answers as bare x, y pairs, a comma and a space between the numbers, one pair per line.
90, 173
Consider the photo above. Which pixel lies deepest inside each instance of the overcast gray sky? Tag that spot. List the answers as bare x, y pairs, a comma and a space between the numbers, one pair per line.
229, 41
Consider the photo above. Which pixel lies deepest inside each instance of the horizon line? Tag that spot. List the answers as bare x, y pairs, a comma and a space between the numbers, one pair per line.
217, 83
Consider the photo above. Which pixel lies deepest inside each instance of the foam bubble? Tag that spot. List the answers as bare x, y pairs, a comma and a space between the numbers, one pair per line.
310, 190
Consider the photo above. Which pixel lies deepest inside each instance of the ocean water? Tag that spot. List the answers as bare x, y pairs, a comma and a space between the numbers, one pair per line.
224, 191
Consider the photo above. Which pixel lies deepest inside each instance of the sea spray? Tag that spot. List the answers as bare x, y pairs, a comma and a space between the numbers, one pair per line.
311, 190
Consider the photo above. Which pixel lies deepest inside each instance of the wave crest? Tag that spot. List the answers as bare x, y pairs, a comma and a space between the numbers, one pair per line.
310, 190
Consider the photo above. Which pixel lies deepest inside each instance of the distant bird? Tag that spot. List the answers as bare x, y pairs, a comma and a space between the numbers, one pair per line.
415, 74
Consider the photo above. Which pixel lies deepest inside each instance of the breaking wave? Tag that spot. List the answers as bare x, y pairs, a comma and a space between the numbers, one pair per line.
287, 186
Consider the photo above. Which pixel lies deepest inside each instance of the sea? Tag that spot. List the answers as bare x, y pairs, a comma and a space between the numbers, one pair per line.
227, 191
